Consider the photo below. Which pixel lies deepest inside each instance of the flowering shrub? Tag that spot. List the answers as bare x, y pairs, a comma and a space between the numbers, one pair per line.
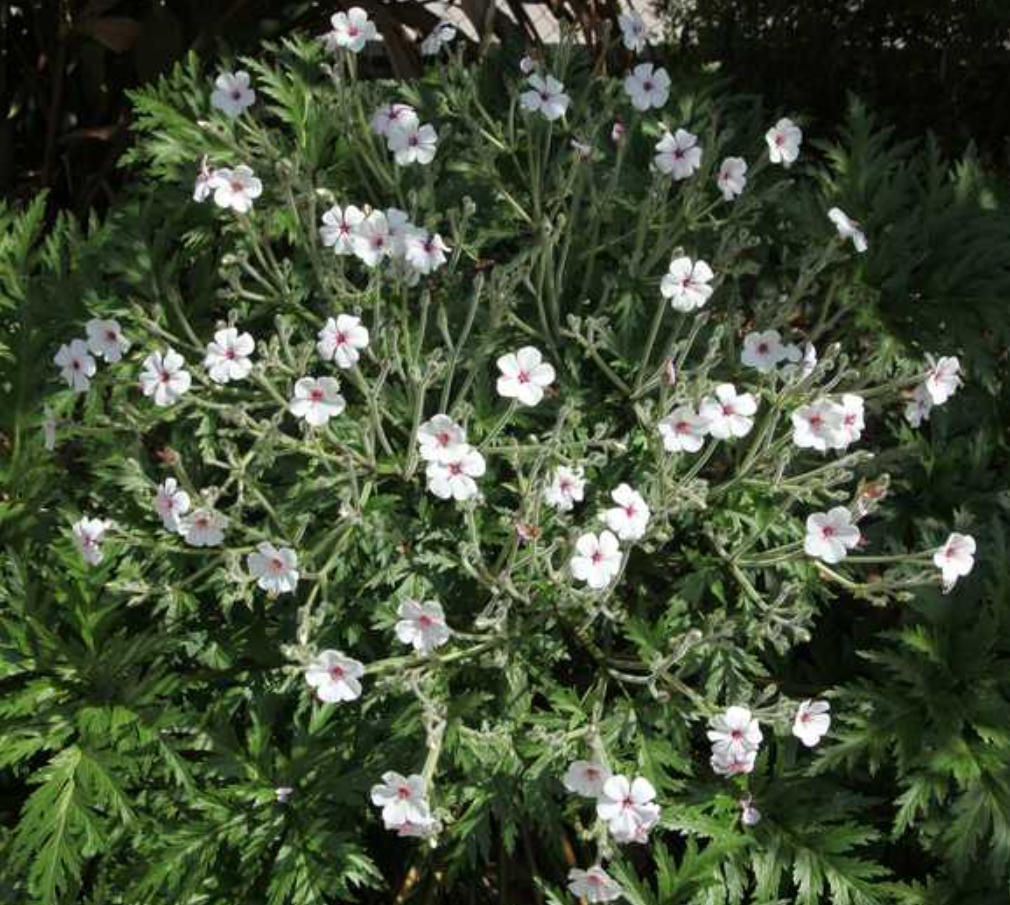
470, 465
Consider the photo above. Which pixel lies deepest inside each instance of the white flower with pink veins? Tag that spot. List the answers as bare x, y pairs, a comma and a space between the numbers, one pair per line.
813, 720
944, 378
337, 231
567, 487
594, 885
232, 93
686, 284
683, 430
628, 807
342, 339
955, 559
586, 778
274, 568
316, 400
597, 559
236, 189
735, 731
335, 677
77, 367
629, 519
830, 535
440, 438
678, 155
165, 377
350, 31
402, 799
88, 535
453, 476
227, 358
524, 376
106, 340
422, 625
784, 140
171, 502
728, 414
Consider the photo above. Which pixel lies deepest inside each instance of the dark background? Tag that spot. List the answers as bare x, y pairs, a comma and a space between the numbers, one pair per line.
925, 65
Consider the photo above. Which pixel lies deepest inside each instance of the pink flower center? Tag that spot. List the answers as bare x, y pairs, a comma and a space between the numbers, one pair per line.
780, 140
647, 85
403, 793
75, 364
277, 564
816, 422
236, 95
237, 187
628, 803
592, 773
630, 511
805, 718
337, 673
110, 336
425, 621
165, 377
544, 96
340, 339
678, 154
352, 30
230, 354
413, 141
736, 735
762, 348
597, 557
828, 531
455, 469
203, 522
316, 395
728, 409
523, 377
444, 439
682, 427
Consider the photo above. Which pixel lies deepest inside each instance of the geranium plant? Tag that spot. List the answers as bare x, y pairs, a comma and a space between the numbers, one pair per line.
460, 461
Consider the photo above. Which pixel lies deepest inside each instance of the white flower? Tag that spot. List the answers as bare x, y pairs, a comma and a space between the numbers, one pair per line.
421, 829
227, 357
800, 363
955, 559
527, 65
282, 794
274, 568
678, 155
686, 284
630, 517
763, 351
728, 414
628, 808
204, 184
106, 340
165, 377
618, 131
422, 625
813, 719
566, 488
546, 96
440, 439
732, 178
734, 732
370, 239
399, 230
452, 475
76, 364
593, 885
402, 799
390, 115
424, 252
944, 378
848, 228
647, 87
733, 761
338, 228
597, 559
317, 400
88, 535
818, 425
335, 677
232, 94
586, 778
830, 535
749, 815
784, 140
683, 430
919, 407
524, 375
203, 527
236, 189
853, 420
49, 425
633, 31
442, 35
411, 142
171, 502
340, 340
351, 30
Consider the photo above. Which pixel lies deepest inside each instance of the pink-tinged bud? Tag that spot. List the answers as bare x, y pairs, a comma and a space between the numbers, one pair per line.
618, 131
527, 65
671, 373
527, 533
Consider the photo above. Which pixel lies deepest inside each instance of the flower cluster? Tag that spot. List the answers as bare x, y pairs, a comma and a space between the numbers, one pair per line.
626, 805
